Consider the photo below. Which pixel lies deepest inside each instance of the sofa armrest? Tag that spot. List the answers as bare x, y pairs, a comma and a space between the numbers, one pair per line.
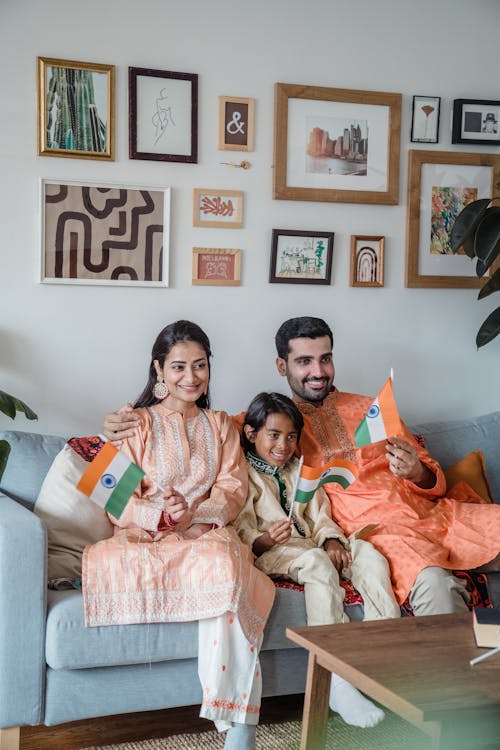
23, 608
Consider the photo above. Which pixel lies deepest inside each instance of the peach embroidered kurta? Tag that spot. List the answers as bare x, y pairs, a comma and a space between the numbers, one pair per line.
145, 574
416, 528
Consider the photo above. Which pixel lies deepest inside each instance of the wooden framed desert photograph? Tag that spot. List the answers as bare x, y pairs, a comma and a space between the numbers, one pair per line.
236, 118
163, 115
476, 121
336, 145
218, 208
299, 257
367, 260
425, 119
440, 185
75, 109
215, 266
102, 234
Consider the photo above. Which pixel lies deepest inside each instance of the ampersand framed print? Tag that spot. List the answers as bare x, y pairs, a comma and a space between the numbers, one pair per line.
236, 123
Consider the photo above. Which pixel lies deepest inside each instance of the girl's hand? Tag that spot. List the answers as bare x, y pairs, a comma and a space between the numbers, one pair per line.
337, 553
174, 505
280, 531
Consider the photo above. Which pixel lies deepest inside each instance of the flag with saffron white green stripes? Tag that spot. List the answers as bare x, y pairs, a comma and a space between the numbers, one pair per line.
382, 419
338, 470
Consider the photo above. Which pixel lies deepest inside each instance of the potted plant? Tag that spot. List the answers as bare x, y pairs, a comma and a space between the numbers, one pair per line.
10, 405
477, 230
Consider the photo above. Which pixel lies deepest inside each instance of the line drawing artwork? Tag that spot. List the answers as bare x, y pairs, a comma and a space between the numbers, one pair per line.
303, 260
163, 115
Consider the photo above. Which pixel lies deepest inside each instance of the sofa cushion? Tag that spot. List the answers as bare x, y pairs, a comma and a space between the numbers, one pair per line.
450, 441
472, 470
30, 458
72, 520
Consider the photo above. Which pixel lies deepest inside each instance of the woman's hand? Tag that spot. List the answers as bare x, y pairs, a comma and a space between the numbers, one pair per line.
337, 553
120, 424
175, 506
197, 529
404, 462
278, 533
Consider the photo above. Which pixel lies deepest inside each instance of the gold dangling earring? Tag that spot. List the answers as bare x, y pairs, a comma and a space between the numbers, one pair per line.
160, 390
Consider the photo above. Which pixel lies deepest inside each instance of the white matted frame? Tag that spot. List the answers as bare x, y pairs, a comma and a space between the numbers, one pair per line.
476, 121
367, 260
440, 184
215, 266
104, 234
236, 119
218, 208
336, 145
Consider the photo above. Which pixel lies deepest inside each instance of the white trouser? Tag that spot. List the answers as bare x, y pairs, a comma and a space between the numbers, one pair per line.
437, 591
229, 672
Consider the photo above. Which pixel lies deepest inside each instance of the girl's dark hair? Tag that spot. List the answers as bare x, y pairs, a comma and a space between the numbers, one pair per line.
262, 406
175, 333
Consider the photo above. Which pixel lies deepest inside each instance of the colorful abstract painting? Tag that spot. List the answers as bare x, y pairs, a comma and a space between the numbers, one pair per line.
447, 202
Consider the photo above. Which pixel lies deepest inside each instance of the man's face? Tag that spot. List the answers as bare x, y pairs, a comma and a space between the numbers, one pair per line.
309, 368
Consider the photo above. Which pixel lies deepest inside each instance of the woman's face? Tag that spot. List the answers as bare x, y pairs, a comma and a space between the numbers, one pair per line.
185, 372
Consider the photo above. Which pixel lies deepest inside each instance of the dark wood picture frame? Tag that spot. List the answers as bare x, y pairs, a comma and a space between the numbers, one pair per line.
480, 108
431, 126
296, 257
161, 116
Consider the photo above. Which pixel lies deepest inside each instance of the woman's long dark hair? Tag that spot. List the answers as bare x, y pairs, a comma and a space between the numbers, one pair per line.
261, 407
175, 333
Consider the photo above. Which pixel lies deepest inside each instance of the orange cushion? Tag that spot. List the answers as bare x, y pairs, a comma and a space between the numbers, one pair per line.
472, 470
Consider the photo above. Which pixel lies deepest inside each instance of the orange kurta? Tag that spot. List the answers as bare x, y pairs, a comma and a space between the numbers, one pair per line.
146, 573
416, 528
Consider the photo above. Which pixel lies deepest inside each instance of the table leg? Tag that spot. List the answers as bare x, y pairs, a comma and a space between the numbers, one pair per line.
315, 717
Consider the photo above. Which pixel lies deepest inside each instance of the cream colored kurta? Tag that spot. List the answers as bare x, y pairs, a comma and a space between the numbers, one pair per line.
149, 573
263, 508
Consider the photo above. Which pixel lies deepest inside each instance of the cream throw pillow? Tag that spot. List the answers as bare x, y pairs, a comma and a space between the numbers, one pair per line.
72, 520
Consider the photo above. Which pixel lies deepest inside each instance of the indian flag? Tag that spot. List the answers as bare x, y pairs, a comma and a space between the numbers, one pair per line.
110, 478
381, 420
339, 470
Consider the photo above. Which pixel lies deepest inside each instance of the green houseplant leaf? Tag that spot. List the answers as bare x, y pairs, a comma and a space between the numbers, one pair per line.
466, 223
4, 454
9, 405
489, 329
487, 241
492, 285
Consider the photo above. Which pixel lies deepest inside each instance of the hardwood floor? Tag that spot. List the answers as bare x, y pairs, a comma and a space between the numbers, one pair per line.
111, 730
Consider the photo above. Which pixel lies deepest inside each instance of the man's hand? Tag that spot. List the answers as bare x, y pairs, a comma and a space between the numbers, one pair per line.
404, 462
120, 424
278, 533
337, 553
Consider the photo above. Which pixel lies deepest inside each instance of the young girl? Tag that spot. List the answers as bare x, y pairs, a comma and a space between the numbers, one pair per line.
310, 548
173, 556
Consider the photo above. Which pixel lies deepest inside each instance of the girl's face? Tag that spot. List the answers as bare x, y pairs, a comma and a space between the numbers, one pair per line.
276, 441
185, 372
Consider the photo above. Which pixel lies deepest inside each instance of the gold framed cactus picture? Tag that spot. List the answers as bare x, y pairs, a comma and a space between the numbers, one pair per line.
75, 109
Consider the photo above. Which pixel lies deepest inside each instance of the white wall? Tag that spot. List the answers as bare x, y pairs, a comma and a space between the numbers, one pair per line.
74, 352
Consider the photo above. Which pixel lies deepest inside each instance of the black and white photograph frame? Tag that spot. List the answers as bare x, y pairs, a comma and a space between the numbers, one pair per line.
425, 119
476, 121
163, 115
299, 257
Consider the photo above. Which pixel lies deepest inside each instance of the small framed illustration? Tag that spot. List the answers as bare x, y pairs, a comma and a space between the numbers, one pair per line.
440, 185
215, 266
94, 233
301, 257
218, 208
76, 109
367, 260
425, 119
236, 123
336, 145
163, 115
476, 121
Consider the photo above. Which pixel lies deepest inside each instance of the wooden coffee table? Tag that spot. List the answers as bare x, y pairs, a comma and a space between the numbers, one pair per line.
418, 667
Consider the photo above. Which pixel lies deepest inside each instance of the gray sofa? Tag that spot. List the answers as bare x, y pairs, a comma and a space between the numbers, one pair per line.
54, 670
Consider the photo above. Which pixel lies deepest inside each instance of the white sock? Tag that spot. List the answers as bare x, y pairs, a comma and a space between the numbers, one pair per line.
353, 707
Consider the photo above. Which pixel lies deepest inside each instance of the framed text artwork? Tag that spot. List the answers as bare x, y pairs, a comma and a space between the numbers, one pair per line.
218, 208
476, 121
163, 115
425, 119
75, 109
440, 185
336, 145
367, 260
93, 233
214, 266
299, 257
236, 117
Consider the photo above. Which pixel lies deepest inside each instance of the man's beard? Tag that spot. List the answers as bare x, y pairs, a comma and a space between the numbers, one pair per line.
299, 388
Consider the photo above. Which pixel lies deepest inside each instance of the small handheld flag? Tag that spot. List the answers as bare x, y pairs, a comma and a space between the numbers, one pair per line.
110, 478
310, 478
381, 420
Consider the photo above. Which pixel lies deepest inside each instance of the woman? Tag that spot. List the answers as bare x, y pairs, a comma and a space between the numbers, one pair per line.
172, 557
